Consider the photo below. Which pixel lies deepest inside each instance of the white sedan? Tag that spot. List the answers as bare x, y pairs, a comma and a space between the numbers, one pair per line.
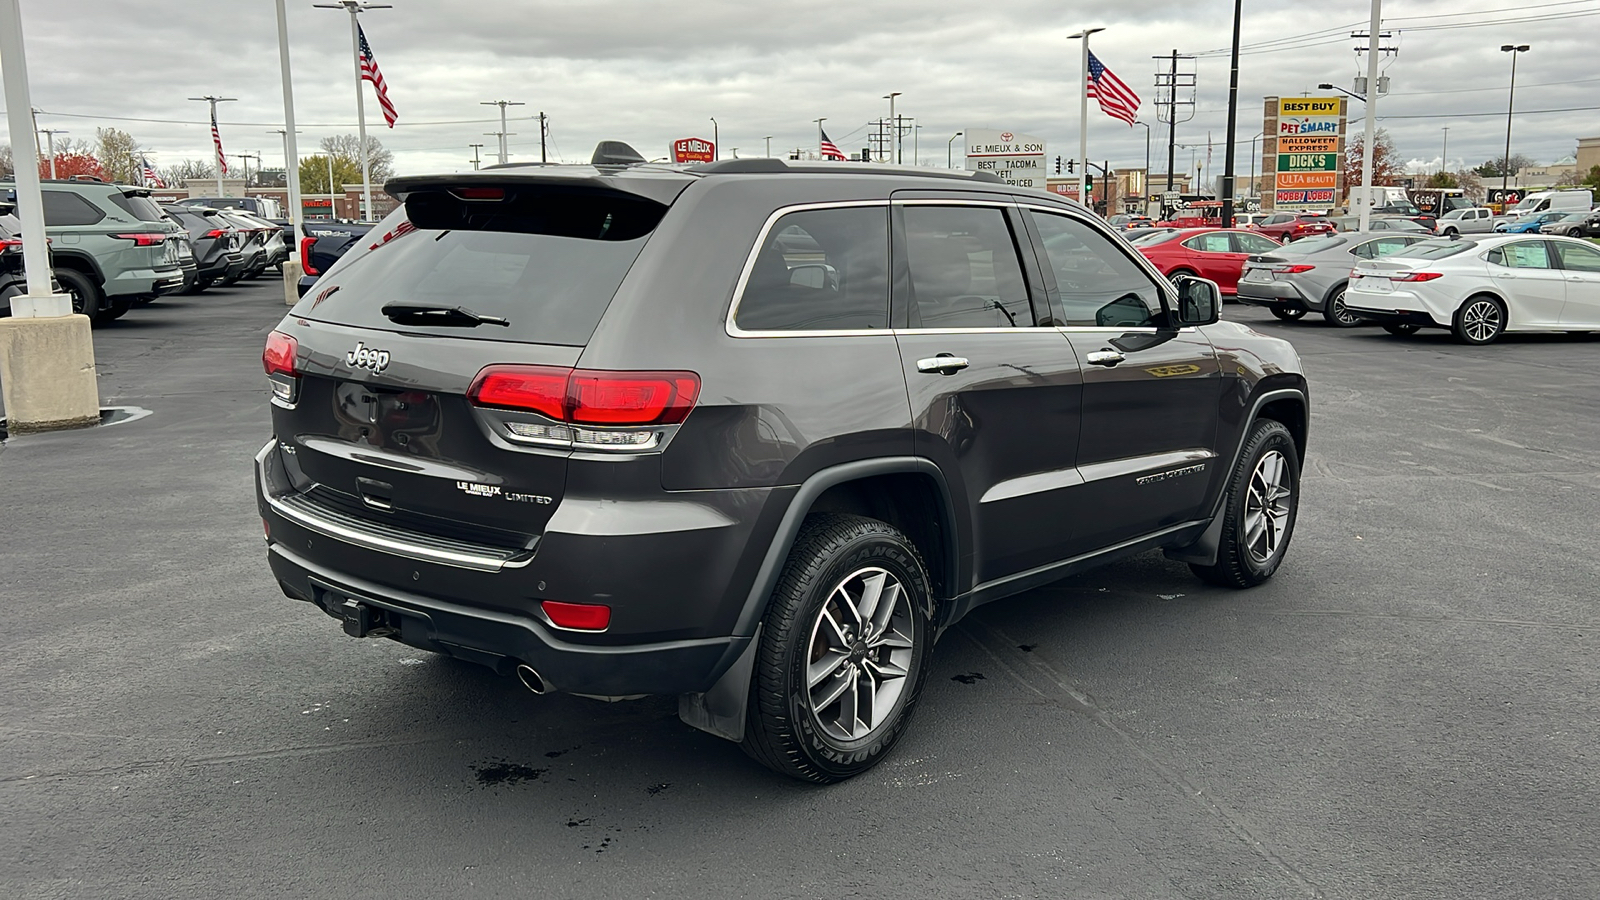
1481, 289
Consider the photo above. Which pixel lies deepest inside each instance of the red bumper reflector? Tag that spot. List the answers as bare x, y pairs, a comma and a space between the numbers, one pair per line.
583, 616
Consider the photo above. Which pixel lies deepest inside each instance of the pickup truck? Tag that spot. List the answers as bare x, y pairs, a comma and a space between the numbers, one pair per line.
1474, 220
322, 246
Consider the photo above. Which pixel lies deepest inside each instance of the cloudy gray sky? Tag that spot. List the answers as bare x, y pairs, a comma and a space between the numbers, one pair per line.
648, 72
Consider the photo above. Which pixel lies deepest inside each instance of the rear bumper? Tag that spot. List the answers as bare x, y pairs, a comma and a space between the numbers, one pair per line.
667, 581
145, 281
1393, 316
1281, 294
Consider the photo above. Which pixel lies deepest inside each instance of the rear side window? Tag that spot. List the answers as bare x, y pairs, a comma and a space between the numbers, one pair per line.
1254, 243
1216, 242
141, 208
820, 270
548, 263
1307, 246
964, 269
1437, 249
67, 208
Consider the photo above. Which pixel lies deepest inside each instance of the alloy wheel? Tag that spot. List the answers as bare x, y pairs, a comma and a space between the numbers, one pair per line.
860, 654
1481, 320
1340, 313
1266, 507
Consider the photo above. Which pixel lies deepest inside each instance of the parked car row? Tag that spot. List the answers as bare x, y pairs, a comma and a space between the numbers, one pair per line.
112, 247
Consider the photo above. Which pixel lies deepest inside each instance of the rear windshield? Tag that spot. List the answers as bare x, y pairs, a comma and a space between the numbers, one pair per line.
1435, 249
552, 289
1306, 246
142, 208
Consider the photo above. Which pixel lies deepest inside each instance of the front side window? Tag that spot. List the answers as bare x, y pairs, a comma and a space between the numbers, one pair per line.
67, 208
964, 269
1099, 285
1578, 257
820, 270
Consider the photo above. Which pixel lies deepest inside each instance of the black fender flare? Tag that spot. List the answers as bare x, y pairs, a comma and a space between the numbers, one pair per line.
721, 709
1204, 550
78, 260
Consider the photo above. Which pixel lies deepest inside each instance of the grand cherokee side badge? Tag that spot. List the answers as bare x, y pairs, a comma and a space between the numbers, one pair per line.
363, 358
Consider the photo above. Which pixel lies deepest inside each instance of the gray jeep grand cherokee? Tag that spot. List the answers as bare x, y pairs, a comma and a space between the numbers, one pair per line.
754, 433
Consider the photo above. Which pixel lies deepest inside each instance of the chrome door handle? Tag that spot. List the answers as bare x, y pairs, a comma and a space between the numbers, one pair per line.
942, 365
1107, 358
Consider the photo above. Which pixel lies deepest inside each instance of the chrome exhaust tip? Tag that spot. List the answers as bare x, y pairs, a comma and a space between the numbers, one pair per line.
530, 679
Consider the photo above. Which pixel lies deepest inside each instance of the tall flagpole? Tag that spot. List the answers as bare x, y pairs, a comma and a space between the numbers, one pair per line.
1083, 118
361, 112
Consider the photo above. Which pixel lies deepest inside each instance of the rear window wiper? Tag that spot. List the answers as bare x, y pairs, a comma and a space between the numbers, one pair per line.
449, 316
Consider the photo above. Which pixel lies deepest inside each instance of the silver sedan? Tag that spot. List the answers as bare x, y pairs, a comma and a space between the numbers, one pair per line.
1311, 274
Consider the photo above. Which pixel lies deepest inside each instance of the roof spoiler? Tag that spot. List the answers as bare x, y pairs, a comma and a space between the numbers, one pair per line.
615, 153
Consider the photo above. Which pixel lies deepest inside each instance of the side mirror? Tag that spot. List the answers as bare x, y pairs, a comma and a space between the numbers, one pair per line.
1199, 301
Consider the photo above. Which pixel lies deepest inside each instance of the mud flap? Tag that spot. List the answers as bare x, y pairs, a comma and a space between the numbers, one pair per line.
1203, 552
721, 710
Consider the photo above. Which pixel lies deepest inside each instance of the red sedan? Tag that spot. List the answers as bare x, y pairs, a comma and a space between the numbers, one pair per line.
1214, 253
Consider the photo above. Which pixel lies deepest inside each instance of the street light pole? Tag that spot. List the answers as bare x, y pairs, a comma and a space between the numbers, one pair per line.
768, 139
291, 150
1444, 152
1144, 188
949, 163
716, 140
502, 132
1367, 150
1511, 100
222, 162
894, 123
1083, 116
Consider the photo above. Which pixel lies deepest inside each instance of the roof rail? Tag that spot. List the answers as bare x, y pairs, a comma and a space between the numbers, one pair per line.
764, 165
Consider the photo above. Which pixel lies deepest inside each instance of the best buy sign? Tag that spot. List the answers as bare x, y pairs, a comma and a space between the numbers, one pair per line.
1308, 162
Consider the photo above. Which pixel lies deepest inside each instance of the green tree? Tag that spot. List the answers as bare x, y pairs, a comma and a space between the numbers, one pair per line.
1593, 178
118, 153
348, 147
1443, 180
1496, 168
314, 173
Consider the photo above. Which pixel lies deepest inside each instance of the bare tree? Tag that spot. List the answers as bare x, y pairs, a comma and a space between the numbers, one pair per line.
118, 153
7, 168
188, 170
348, 147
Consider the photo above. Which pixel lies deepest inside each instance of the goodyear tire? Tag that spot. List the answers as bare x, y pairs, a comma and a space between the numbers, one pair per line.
843, 653
1262, 504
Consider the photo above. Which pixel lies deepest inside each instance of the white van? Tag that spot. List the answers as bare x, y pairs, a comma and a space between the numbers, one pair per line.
1382, 195
1572, 200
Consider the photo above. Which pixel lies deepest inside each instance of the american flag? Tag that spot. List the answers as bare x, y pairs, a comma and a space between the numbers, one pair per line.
829, 149
369, 72
216, 138
151, 179
1117, 100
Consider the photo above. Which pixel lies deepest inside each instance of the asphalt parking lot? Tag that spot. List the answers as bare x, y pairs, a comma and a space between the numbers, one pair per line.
1409, 709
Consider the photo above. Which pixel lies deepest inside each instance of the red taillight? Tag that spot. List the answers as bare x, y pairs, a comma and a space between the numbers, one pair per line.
540, 389
305, 256
142, 239
215, 233
583, 616
9, 245
1291, 270
279, 356
587, 396
480, 193
1417, 276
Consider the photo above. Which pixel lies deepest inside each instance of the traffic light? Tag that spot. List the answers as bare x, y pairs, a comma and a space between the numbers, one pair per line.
1088, 181
1058, 165
1070, 164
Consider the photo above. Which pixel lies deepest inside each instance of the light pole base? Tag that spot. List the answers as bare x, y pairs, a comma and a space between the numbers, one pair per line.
47, 373
291, 280
25, 306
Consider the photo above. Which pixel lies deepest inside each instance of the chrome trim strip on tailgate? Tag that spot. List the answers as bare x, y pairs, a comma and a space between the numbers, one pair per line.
424, 548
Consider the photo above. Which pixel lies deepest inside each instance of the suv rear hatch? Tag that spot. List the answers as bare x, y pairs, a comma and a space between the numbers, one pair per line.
372, 409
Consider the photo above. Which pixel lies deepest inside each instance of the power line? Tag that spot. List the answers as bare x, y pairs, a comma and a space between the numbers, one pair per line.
496, 120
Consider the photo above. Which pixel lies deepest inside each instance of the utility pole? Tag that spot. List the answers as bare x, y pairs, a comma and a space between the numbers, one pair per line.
1367, 149
1233, 116
544, 129
1168, 84
502, 132
50, 142
475, 160
894, 123
1444, 152
216, 136
244, 158
768, 139
355, 8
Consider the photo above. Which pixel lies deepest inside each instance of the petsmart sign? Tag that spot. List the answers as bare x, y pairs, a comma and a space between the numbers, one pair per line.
1016, 158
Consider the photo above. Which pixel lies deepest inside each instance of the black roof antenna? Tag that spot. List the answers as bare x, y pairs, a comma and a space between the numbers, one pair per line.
615, 153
